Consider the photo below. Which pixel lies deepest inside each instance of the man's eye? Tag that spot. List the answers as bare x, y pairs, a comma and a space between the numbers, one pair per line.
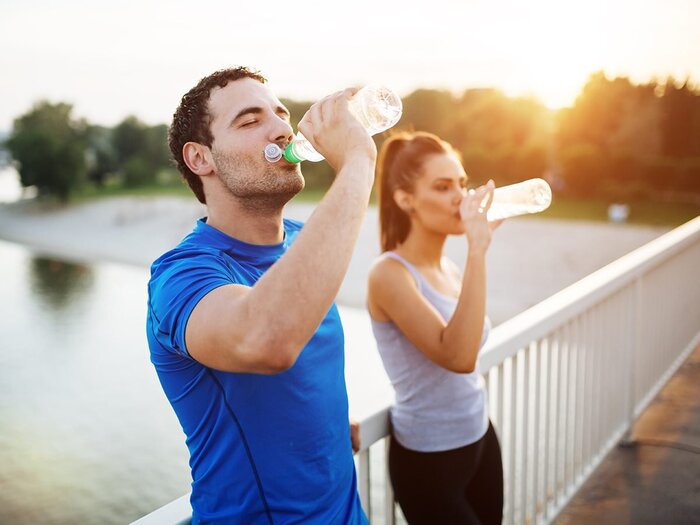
249, 123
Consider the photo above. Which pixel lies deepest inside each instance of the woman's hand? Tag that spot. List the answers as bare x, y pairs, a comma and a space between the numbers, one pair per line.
355, 435
473, 209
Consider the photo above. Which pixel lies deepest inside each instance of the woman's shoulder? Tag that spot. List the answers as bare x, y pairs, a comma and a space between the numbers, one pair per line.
387, 263
388, 270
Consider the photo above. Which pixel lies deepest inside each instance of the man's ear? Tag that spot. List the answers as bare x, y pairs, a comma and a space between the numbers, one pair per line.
198, 158
404, 200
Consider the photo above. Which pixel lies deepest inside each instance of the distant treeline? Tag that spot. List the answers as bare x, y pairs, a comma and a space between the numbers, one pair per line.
58, 154
619, 141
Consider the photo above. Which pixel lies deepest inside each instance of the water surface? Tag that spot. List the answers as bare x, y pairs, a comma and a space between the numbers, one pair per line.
87, 433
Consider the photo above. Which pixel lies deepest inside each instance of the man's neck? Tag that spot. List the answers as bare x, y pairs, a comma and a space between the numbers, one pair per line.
254, 226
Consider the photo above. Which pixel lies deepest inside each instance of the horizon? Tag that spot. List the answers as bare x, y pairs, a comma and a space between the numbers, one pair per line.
139, 58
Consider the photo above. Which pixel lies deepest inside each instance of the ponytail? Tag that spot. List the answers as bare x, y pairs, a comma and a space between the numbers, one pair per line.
399, 164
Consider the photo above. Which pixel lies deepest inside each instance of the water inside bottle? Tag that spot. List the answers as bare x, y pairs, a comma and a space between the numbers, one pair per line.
377, 108
530, 196
504, 210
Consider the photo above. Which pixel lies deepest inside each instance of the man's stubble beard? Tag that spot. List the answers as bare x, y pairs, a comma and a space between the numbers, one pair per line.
259, 186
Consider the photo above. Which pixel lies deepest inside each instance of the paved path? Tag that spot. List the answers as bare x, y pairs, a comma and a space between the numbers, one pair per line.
656, 480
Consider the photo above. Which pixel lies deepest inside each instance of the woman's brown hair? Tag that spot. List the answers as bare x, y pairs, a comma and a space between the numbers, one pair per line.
399, 164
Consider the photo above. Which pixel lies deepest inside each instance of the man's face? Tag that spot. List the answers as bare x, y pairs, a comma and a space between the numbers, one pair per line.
246, 116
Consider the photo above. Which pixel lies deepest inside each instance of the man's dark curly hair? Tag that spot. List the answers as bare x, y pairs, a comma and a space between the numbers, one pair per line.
191, 120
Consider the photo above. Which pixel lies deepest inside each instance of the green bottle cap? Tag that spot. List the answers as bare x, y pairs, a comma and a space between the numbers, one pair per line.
289, 155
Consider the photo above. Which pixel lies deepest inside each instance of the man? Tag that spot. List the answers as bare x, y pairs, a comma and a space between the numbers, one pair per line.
242, 328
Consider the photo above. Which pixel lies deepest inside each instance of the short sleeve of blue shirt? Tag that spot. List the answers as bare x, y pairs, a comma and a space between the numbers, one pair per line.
178, 283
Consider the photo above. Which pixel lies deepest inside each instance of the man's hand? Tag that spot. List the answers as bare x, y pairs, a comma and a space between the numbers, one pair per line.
355, 435
335, 133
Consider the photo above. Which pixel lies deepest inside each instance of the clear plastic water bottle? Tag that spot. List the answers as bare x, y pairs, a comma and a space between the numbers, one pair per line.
530, 196
377, 108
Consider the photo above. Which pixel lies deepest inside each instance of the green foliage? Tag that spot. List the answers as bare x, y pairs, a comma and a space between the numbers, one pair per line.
49, 147
136, 171
622, 141
140, 151
428, 110
128, 139
618, 142
500, 138
101, 155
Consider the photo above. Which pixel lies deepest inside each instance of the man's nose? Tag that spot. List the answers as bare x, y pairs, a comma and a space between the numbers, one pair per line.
281, 131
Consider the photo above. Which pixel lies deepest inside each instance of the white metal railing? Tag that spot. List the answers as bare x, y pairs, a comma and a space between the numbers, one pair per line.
566, 378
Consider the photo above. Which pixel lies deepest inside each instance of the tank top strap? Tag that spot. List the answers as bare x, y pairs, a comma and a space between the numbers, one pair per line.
414, 271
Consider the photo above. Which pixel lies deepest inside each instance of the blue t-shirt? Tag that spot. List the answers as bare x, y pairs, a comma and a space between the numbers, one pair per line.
263, 448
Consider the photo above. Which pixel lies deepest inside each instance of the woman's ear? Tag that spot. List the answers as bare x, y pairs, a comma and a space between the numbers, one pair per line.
404, 201
198, 158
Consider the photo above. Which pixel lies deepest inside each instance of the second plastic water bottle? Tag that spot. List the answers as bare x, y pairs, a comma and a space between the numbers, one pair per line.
377, 108
530, 196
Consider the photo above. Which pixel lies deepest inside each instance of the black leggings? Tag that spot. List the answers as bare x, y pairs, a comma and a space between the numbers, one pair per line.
459, 486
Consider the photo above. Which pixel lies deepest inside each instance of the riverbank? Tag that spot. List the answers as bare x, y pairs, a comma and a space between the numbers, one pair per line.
529, 260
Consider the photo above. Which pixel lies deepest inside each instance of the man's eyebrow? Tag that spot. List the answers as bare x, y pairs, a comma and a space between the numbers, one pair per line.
250, 110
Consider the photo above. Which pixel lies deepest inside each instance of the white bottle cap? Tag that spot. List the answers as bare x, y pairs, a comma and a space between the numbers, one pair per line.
273, 152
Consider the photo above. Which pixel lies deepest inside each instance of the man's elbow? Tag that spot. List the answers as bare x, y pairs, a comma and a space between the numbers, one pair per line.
280, 360
270, 355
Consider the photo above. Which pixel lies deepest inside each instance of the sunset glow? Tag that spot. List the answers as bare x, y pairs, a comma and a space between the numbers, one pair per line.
140, 57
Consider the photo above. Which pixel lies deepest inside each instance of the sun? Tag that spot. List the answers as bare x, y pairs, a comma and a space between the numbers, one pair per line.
553, 51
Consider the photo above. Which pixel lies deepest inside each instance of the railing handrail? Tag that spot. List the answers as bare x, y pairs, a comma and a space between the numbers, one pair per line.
539, 319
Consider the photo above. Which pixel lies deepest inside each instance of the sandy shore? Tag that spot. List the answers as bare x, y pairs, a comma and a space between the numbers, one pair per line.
529, 260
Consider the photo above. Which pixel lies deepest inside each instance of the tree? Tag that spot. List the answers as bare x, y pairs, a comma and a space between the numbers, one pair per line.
128, 139
101, 156
681, 119
49, 148
429, 110
141, 151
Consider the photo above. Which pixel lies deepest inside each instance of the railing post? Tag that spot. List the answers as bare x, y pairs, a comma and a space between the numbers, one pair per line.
635, 327
363, 481
389, 507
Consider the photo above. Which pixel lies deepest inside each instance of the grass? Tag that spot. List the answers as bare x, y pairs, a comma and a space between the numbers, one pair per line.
640, 212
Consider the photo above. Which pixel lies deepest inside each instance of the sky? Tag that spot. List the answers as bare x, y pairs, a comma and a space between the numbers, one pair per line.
138, 57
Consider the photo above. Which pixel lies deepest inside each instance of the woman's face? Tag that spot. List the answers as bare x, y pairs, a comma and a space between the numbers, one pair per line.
437, 194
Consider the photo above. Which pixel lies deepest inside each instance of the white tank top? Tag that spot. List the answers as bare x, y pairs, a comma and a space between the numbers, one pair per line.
435, 409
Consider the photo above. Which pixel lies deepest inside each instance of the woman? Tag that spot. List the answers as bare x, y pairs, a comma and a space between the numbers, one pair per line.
429, 323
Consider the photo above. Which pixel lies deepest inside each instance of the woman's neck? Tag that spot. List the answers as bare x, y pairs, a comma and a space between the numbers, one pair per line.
423, 248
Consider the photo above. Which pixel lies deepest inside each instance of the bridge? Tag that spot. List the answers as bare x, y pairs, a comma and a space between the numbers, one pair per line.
567, 380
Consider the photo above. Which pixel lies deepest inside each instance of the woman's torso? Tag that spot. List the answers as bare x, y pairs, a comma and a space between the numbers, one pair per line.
435, 409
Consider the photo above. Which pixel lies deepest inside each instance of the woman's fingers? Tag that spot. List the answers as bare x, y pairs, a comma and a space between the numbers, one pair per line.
489, 188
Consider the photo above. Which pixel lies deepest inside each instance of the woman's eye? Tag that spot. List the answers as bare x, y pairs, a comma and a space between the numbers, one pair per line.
249, 123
